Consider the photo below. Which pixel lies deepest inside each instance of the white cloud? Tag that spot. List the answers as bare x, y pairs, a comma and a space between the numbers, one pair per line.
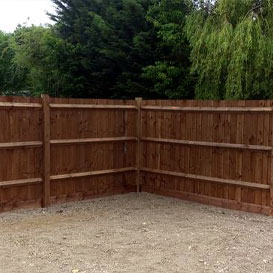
14, 12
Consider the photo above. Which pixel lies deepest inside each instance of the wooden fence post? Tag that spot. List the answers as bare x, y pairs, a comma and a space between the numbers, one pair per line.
46, 151
138, 150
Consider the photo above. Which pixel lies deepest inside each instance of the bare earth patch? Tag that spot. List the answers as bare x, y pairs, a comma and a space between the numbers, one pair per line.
135, 233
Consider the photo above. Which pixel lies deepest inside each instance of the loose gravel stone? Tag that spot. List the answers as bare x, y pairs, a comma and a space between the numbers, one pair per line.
135, 233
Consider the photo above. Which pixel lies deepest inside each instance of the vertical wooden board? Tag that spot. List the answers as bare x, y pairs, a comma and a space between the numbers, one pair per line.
114, 126
159, 118
206, 150
198, 190
183, 149
226, 152
270, 163
210, 149
103, 130
233, 152
144, 144
96, 149
165, 158
168, 134
177, 151
246, 166
156, 179
46, 154
173, 148
239, 155
139, 146
193, 187
182, 161
217, 152
250, 137
168, 151
222, 190
266, 157
116, 122
214, 155
174, 134
188, 148
126, 150
154, 133
150, 133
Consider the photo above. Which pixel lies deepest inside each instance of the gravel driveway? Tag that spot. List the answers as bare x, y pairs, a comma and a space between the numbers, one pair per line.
135, 233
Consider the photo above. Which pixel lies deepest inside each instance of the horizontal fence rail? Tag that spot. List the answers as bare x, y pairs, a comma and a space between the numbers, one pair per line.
65, 176
19, 105
93, 140
209, 179
208, 144
21, 144
21, 182
93, 173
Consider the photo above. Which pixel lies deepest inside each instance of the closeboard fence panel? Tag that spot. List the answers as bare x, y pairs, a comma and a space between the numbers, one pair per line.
214, 152
21, 154
92, 149
58, 150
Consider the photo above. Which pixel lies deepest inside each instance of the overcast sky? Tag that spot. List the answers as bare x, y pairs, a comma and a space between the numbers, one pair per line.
14, 12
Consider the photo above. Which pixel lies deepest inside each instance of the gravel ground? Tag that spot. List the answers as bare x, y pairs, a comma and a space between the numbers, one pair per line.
135, 233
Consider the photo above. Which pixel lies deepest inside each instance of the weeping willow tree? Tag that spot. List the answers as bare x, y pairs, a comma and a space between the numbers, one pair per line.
232, 49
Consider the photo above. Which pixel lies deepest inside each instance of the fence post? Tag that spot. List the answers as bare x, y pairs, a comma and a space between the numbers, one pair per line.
46, 151
138, 150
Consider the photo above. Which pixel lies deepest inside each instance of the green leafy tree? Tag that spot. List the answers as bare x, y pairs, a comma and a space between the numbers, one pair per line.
12, 78
232, 49
111, 42
43, 55
170, 74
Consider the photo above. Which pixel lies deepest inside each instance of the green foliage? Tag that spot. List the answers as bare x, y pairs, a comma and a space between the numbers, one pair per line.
205, 49
12, 78
170, 74
232, 49
112, 42
39, 51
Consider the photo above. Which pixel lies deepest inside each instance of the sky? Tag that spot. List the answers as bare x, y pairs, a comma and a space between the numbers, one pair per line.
14, 12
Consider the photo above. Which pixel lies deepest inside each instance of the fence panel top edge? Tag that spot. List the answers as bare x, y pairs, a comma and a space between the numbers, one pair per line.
208, 109
91, 101
171, 101
19, 105
92, 106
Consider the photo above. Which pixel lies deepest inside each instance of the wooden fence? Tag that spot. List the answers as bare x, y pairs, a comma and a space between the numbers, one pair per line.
58, 150
214, 152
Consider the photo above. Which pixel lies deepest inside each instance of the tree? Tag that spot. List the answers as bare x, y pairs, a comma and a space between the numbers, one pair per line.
12, 78
170, 74
232, 49
39, 51
111, 42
